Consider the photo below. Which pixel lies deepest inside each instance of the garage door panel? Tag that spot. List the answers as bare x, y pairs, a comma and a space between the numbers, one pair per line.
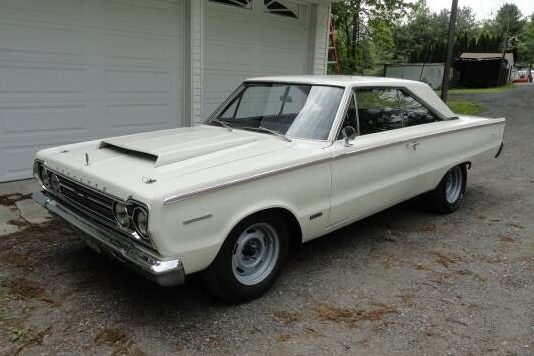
84, 70
291, 39
45, 9
148, 16
132, 48
126, 118
48, 121
18, 80
30, 42
138, 81
283, 58
217, 26
229, 56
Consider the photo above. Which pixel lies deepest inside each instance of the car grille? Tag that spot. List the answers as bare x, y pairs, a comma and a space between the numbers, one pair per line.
86, 199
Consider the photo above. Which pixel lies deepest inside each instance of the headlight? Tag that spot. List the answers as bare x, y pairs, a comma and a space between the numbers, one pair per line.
44, 176
54, 182
140, 219
121, 213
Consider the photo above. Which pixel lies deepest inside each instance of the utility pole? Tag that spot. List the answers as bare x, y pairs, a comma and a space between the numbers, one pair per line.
450, 47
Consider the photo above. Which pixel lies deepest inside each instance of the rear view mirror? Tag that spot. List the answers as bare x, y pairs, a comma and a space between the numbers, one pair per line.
348, 133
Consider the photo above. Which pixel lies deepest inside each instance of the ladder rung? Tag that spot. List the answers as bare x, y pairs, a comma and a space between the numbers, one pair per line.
332, 62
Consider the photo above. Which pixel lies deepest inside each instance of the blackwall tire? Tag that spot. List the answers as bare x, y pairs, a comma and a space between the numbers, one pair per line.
250, 259
449, 194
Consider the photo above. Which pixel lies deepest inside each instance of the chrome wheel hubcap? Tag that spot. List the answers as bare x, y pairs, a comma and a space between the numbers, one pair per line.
255, 253
453, 185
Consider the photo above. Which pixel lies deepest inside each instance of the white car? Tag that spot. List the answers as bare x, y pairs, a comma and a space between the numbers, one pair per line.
282, 161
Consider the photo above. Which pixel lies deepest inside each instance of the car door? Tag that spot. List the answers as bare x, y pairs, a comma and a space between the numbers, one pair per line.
378, 168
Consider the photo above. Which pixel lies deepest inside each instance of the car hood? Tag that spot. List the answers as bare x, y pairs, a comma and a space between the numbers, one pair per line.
150, 165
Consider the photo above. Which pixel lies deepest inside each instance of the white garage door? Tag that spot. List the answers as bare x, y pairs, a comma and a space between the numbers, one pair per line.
252, 38
72, 70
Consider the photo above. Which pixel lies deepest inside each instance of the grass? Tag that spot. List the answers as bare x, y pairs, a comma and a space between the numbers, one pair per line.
465, 107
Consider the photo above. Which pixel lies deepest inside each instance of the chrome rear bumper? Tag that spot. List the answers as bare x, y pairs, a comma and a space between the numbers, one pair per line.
104, 240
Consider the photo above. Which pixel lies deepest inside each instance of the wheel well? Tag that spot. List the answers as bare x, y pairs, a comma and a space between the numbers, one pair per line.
467, 164
295, 231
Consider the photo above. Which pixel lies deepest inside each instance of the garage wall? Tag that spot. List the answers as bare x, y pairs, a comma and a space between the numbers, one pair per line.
243, 43
72, 70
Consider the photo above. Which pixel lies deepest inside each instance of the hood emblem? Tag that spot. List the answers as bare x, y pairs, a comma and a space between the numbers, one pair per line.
148, 180
86, 158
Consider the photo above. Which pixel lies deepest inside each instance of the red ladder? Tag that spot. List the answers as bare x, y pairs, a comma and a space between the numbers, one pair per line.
333, 58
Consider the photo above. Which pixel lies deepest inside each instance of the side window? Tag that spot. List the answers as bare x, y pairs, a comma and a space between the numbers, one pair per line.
378, 110
415, 113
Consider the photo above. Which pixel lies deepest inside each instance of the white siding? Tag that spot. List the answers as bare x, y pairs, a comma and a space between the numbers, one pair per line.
320, 39
197, 59
72, 70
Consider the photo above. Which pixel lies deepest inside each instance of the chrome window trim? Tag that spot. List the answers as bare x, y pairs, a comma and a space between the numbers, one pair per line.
352, 95
180, 197
237, 91
353, 89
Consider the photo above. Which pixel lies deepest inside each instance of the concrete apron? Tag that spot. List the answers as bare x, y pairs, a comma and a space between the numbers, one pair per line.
17, 209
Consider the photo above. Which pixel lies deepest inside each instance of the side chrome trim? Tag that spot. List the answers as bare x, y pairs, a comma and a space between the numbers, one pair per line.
315, 216
190, 221
411, 139
180, 197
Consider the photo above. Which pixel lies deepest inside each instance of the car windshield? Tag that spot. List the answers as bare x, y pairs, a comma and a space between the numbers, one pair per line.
292, 110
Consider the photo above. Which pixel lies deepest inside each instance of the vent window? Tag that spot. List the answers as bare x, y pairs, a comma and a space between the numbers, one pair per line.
282, 8
245, 4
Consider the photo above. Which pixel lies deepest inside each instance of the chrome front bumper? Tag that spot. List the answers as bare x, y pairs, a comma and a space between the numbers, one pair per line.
105, 240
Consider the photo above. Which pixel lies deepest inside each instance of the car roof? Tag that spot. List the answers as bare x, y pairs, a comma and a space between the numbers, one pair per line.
420, 89
337, 80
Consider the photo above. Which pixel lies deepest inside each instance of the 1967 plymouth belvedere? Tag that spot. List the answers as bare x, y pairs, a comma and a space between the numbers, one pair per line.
282, 161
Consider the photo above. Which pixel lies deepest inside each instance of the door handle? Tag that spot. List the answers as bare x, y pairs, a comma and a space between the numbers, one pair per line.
414, 145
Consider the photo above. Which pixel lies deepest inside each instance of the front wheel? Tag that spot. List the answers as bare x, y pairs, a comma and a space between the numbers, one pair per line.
449, 194
250, 259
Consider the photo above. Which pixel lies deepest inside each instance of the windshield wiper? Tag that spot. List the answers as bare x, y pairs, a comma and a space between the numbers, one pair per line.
223, 124
272, 132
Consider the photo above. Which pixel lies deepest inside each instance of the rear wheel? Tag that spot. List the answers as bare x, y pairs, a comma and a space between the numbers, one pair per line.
250, 259
449, 194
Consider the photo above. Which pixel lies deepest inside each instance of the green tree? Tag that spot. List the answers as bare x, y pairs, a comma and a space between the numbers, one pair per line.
423, 38
509, 19
526, 46
359, 23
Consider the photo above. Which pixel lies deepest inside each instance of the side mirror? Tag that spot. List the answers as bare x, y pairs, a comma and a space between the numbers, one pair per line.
348, 133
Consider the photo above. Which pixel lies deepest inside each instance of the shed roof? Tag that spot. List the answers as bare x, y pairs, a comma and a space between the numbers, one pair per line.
481, 56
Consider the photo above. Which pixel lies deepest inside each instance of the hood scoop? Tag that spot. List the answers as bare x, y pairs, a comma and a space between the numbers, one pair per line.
127, 151
167, 151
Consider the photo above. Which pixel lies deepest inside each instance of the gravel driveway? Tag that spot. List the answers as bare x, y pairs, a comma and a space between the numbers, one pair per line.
401, 282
